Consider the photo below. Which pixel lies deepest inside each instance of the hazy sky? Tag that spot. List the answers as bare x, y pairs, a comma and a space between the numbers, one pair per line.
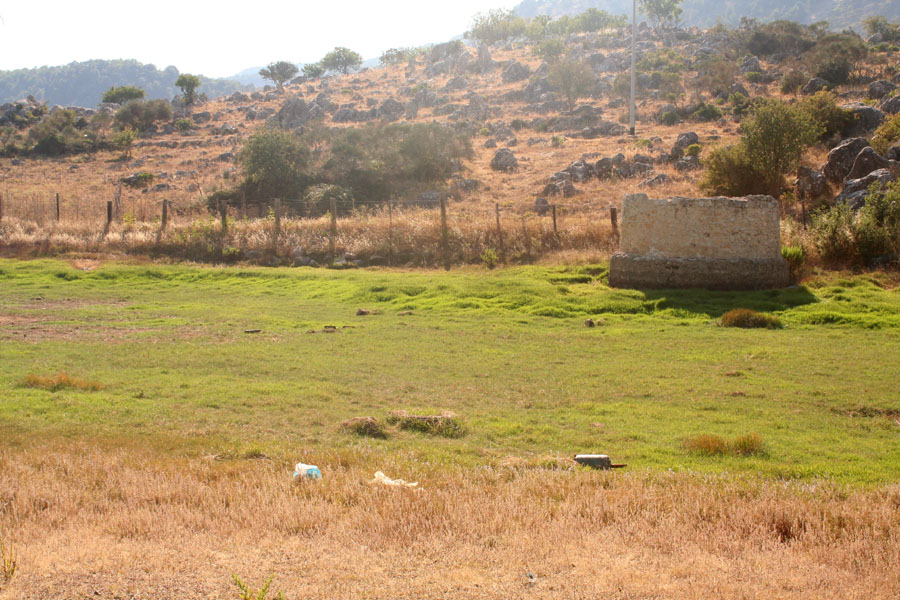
222, 38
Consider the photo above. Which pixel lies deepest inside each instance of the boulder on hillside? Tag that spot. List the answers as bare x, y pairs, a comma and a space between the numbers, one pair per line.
867, 161
893, 153
810, 183
515, 71
816, 84
856, 191
688, 163
504, 160
880, 89
682, 142
560, 184
867, 117
890, 105
751, 64
484, 63
841, 158
456, 84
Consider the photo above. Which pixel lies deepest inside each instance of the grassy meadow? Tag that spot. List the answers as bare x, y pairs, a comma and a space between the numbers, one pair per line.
135, 411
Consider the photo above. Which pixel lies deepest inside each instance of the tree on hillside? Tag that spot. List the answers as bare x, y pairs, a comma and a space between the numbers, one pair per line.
496, 25
188, 84
341, 59
313, 70
573, 77
279, 72
122, 94
140, 115
664, 13
274, 164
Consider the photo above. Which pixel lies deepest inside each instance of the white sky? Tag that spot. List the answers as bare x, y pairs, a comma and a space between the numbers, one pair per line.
222, 38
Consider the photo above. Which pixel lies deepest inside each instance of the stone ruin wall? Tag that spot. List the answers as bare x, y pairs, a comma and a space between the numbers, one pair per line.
713, 243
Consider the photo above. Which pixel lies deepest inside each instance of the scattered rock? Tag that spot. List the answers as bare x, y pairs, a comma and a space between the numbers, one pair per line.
688, 163
816, 84
891, 105
684, 140
880, 89
810, 183
856, 191
840, 159
869, 160
867, 117
660, 179
515, 71
504, 160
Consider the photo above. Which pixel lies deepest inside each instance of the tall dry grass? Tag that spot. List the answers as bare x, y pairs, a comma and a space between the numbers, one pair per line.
123, 524
403, 237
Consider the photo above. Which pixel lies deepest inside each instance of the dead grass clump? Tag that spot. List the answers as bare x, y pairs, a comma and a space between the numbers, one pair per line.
715, 445
7, 564
61, 381
446, 424
786, 527
749, 319
364, 426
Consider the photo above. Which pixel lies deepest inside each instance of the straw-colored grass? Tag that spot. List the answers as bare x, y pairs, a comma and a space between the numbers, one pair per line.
60, 381
116, 523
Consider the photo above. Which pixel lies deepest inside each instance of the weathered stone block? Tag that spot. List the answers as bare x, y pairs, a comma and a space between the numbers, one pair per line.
713, 243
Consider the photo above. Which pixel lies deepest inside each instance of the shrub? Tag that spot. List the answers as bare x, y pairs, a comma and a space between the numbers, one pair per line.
795, 260
822, 107
61, 381
188, 85
57, 134
490, 258
142, 114
832, 233
139, 180
574, 78
693, 150
729, 172
550, 50
669, 118
747, 445
887, 134
8, 563
313, 70
341, 59
749, 319
496, 25
774, 138
122, 94
184, 125
792, 81
274, 164
753, 76
707, 112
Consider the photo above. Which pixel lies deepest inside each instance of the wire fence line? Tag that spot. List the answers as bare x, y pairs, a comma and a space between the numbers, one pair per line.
284, 232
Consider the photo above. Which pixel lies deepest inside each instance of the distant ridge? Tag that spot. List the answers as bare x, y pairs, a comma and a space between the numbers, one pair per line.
83, 83
840, 14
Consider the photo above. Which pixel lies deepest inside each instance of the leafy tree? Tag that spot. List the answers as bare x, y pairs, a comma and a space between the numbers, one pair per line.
313, 70
57, 134
188, 84
123, 140
835, 56
341, 59
122, 94
396, 56
496, 25
142, 114
279, 72
890, 32
550, 49
665, 13
574, 78
594, 20
274, 164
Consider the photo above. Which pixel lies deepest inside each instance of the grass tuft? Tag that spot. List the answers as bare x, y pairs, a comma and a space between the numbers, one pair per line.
8, 564
749, 319
365, 427
61, 381
446, 424
715, 445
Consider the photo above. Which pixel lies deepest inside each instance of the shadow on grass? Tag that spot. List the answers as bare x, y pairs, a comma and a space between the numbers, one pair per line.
716, 303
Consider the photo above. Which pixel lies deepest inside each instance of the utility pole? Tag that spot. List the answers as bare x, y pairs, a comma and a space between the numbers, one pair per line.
633, 37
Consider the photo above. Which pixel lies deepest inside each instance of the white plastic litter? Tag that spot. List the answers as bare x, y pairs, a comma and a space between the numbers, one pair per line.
308, 471
385, 480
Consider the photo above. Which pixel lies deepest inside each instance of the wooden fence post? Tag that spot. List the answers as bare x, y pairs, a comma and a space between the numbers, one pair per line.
555, 232
499, 231
614, 220
165, 215
390, 231
333, 230
57, 207
223, 214
109, 216
1, 207
445, 236
276, 232
243, 205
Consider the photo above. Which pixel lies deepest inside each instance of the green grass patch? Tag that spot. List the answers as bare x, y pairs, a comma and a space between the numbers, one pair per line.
505, 350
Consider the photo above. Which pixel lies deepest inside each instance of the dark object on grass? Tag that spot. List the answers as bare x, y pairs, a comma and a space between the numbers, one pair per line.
590, 323
253, 331
365, 426
749, 319
363, 312
597, 461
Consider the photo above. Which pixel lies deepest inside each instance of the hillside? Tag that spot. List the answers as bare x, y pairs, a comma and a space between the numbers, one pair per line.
83, 83
840, 14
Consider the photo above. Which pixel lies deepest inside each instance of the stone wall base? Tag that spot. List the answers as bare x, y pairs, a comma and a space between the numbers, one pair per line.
630, 271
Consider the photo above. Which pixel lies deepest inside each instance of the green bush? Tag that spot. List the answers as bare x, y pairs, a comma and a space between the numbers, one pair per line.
188, 85
754, 77
669, 118
139, 180
58, 134
122, 94
550, 50
749, 319
496, 25
707, 112
729, 172
822, 107
184, 125
142, 114
275, 165
792, 81
832, 234
693, 150
795, 260
887, 134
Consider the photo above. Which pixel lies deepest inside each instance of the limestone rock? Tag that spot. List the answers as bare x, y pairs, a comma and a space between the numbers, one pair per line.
841, 158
